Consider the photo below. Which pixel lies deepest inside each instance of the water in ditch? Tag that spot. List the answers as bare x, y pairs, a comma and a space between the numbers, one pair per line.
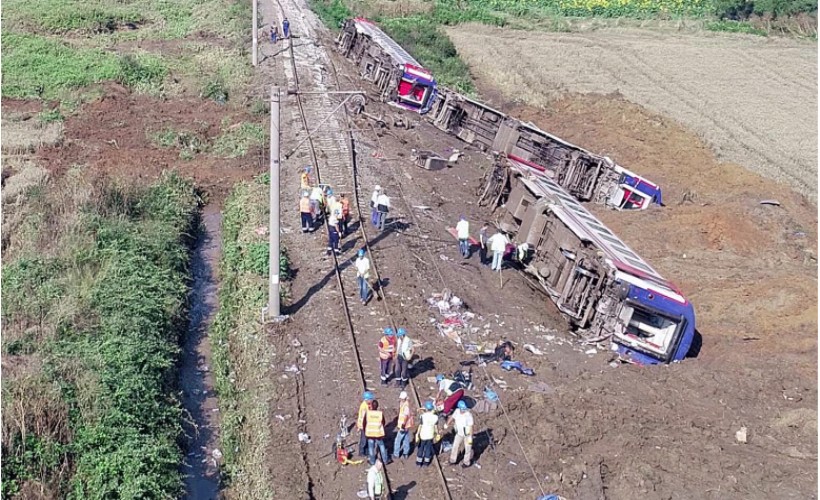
201, 423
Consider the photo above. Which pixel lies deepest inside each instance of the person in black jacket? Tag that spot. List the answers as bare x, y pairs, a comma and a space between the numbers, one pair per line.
502, 352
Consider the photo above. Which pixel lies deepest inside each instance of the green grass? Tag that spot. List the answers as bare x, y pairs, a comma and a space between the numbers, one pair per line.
241, 353
103, 310
38, 67
238, 140
430, 45
735, 27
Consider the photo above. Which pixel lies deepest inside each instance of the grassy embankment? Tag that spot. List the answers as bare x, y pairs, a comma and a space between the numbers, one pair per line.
416, 24
94, 289
95, 274
57, 50
242, 354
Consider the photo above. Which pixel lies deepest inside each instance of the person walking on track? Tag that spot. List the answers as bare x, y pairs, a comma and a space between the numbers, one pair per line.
498, 245
374, 430
387, 351
367, 400
404, 426
304, 210
463, 234
404, 353
374, 200
345, 220
463, 420
286, 28
333, 234
274, 34
426, 435
304, 178
383, 207
363, 275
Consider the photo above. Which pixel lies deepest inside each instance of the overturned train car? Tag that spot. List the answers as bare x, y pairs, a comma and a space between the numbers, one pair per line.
603, 287
403, 82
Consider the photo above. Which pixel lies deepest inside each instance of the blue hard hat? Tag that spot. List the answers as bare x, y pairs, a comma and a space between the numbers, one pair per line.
329, 191
439, 378
461, 217
368, 396
388, 331
361, 252
461, 405
402, 332
428, 405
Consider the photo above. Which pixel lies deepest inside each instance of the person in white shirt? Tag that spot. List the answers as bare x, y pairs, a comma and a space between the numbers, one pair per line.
375, 481
317, 196
382, 206
362, 275
463, 420
404, 353
333, 233
463, 235
374, 200
498, 245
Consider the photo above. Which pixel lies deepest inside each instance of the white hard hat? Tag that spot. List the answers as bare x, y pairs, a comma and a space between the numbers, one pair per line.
403, 395
378, 188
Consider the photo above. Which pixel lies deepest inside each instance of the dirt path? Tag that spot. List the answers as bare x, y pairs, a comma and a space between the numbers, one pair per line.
201, 467
753, 99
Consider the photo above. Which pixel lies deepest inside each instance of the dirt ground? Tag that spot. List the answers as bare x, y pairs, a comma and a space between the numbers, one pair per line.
753, 99
112, 135
589, 430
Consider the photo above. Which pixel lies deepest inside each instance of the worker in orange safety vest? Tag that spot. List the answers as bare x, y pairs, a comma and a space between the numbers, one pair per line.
367, 400
374, 430
387, 351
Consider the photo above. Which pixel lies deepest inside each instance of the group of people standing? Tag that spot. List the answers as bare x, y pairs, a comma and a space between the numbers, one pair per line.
320, 202
421, 427
274, 31
497, 244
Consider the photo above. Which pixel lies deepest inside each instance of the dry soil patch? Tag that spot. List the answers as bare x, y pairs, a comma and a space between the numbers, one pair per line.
752, 99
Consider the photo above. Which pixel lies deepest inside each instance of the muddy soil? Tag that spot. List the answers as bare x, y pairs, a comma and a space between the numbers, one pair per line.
588, 429
202, 460
113, 135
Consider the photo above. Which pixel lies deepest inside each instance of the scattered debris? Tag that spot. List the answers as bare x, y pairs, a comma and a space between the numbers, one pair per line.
542, 387
295, 343
261, 230
770, 202
216, 453
304, 438
428, 160
533, 349
516, 365
591, 351
292, 369
741, 435
513, 463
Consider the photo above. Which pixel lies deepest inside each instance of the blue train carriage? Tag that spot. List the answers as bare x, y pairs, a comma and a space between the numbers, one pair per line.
401, 80
605, 289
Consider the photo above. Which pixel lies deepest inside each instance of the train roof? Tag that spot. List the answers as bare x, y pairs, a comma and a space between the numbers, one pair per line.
396, 52
590, 228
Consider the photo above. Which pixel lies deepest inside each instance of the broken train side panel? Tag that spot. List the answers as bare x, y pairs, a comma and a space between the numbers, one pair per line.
605, 290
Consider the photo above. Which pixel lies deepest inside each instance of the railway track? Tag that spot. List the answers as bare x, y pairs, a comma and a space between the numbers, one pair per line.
332, 154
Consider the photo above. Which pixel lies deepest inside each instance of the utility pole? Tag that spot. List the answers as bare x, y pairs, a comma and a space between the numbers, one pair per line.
255, 48
273, 286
